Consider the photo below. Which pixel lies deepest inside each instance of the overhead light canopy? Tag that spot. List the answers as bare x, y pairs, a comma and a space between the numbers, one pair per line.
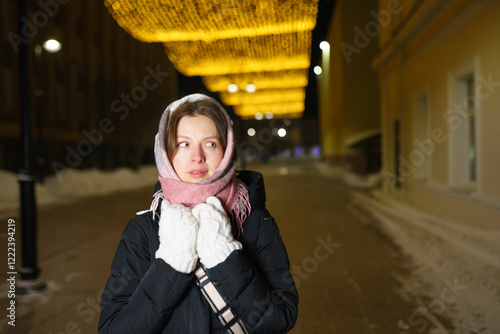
263, 96
278, 110
265, 43
242, 55
263, 80
191, 20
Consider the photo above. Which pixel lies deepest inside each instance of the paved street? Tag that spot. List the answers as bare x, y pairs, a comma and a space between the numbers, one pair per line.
346, 271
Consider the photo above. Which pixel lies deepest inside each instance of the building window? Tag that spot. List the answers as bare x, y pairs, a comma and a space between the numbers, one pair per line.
463, 128
422, 151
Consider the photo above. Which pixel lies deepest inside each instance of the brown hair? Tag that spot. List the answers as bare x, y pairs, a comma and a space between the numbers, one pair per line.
205, 107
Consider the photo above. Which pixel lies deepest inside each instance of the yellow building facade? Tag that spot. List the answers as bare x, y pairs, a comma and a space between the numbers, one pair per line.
438, 65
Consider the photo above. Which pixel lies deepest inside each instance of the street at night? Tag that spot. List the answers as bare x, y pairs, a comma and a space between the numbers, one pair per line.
124, 125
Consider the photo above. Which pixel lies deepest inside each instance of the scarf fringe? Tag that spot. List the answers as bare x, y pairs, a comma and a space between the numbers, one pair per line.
238, 215
242, 208
154, 204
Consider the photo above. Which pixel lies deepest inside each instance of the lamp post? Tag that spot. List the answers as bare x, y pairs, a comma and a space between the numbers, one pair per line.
29, 270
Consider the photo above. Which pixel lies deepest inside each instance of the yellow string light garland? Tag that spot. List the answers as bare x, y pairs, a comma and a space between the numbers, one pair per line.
263, 80
191, 20
239, 55
278, 110
264, 96
261, 42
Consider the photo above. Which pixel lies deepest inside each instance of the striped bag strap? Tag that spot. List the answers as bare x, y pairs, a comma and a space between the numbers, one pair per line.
219, 306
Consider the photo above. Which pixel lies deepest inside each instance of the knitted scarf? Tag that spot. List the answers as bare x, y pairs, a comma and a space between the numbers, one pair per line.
223, 184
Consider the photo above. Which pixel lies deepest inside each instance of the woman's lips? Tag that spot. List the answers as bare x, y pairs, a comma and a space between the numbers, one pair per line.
196, 173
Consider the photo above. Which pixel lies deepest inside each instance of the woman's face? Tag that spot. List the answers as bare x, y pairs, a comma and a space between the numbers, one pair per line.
198, 149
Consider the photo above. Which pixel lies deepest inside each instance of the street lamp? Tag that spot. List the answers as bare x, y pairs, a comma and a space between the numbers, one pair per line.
52, 45
324, 45
318, 70
28, 270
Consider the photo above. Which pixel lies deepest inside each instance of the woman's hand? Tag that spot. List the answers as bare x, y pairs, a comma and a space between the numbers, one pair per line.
215, 240
178, 233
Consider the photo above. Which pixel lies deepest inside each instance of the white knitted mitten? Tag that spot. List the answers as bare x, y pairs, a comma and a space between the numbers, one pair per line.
178, 231
215, 240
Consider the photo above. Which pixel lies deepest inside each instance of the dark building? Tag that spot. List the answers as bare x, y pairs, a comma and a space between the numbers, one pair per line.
95, 103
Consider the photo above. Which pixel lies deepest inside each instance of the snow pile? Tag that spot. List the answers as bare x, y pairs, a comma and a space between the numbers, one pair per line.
9, 196
72, 184
349, 178
80, 183
457, 274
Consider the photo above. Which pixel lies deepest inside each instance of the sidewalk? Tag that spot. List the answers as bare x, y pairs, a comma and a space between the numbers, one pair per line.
352, 278
457, 268
76, 246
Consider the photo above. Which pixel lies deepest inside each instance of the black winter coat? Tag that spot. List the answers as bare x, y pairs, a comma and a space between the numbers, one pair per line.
145, 295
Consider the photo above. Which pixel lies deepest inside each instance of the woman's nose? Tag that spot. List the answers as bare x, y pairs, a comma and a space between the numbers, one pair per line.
197, 154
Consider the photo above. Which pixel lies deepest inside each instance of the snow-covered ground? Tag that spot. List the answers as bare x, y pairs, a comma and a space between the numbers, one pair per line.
72, 185
456, 270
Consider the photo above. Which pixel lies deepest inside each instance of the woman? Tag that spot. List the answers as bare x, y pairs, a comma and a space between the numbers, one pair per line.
207, 257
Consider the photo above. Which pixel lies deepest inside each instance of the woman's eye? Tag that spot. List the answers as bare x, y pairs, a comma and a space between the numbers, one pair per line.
211, 144
182, 144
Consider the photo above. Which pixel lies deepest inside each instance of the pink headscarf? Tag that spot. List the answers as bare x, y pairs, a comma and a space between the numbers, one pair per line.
223, 184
